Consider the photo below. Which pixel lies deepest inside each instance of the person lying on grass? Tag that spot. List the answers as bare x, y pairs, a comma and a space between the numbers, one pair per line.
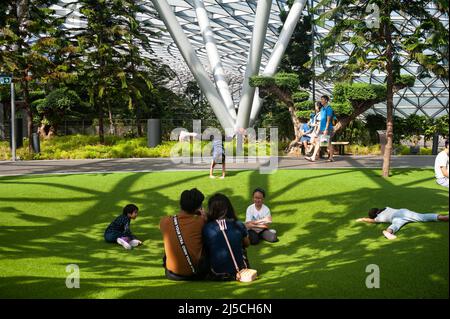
398, 218
258, 218
119, 230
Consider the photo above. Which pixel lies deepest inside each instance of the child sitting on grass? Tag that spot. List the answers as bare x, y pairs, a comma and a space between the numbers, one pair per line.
119, 230
258, 218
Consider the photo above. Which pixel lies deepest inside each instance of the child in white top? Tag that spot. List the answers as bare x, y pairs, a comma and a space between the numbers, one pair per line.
258, 219
441, 167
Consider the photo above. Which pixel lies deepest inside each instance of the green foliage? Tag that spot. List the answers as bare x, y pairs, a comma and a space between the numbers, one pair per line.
342, 109
300, 96
287, 80
369, 45
405, 80
436, 126
303, 114
358, 149
89, 147
375, 122
414, 126
262, 81
426, 151
275, 114
355, 133
281, 79
403, 150
52, 109
304, 106
298, 51
360, 92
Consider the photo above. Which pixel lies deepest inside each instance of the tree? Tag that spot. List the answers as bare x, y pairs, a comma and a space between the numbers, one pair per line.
281, 87
350, 99
28, 30
298, 51
52, 109
112, 63
380, 47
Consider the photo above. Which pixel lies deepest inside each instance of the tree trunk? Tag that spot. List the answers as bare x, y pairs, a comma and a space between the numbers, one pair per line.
360, 108
286, 97
26, 98
112, 128
389, 95
296, 124
138, 121
101, 133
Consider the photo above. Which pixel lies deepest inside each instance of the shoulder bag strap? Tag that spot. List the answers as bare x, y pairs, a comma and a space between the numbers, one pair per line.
183, 246
223, 226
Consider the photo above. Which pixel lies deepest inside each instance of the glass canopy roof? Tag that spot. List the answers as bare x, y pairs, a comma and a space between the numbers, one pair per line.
232, 23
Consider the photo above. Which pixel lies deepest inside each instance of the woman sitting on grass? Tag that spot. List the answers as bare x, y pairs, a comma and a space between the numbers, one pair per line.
258, 218
119, 230
398, 218
221, 214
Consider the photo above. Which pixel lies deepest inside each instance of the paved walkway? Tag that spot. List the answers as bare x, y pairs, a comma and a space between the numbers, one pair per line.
9, 168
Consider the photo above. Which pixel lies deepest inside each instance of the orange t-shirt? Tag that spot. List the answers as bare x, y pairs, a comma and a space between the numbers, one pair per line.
191, 227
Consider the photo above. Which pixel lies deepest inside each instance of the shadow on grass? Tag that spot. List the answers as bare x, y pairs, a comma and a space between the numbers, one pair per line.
325, 257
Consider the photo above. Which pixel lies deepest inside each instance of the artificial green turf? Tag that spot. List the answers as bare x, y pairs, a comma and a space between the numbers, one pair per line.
49, 222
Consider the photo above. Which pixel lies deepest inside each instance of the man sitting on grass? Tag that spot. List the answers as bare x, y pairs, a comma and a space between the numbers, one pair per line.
398, 218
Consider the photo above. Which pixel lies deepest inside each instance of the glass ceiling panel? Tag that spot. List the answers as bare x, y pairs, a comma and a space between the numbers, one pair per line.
232, 22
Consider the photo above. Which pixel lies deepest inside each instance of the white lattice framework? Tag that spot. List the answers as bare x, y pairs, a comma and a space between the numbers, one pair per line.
226, 42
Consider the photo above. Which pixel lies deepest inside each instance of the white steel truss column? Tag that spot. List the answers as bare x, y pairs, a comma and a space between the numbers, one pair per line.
214, 57
254, 61
278, 51
193, 63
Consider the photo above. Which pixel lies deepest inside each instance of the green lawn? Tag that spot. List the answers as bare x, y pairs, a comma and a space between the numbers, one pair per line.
49, 222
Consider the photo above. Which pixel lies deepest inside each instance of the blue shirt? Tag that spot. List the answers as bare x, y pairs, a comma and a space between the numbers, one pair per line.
305, 127
324, 113
216, 248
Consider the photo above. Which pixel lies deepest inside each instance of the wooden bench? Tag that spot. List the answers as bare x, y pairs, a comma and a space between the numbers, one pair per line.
341, 146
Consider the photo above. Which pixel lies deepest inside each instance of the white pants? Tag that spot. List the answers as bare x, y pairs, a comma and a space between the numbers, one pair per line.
442, 181
404, 216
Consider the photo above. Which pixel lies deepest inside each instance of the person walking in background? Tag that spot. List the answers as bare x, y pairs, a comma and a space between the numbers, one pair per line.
119, 230
441, 167
398, 218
